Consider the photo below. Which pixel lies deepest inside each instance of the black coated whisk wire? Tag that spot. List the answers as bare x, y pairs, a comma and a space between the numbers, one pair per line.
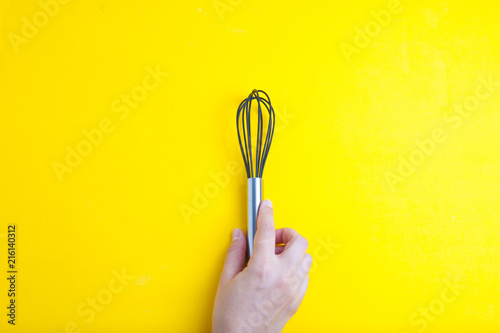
255, 170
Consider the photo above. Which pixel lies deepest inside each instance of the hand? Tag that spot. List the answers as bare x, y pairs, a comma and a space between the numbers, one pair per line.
263, 296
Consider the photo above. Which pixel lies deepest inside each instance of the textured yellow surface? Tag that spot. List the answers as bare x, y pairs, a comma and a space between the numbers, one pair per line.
385, 157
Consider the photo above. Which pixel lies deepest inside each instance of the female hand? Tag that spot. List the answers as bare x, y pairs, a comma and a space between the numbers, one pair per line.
263, 296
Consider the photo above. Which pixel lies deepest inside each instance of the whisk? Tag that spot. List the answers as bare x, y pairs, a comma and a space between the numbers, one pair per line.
254, 164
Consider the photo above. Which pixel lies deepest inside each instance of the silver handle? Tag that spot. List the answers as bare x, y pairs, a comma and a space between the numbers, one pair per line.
254, 200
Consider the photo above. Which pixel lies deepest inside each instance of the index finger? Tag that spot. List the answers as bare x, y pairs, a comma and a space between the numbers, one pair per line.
295, 244
264, 241
285, 235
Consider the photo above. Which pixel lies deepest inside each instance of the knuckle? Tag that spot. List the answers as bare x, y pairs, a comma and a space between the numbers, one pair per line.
305, 265
290, 284
309, 259
304, 241
294, 284
292, 232
283, 281
263, 272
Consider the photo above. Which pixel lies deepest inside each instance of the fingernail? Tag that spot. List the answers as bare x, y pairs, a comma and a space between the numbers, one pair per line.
236, 234
267, 203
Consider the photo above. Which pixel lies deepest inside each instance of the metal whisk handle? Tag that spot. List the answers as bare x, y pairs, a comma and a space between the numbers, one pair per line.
254, 200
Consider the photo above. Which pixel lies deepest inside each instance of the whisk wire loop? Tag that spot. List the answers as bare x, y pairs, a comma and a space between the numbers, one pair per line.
255, 166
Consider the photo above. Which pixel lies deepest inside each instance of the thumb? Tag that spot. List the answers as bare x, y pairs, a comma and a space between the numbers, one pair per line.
235, 257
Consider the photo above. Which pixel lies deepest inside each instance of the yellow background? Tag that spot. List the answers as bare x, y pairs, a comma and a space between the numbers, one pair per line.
344, 123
